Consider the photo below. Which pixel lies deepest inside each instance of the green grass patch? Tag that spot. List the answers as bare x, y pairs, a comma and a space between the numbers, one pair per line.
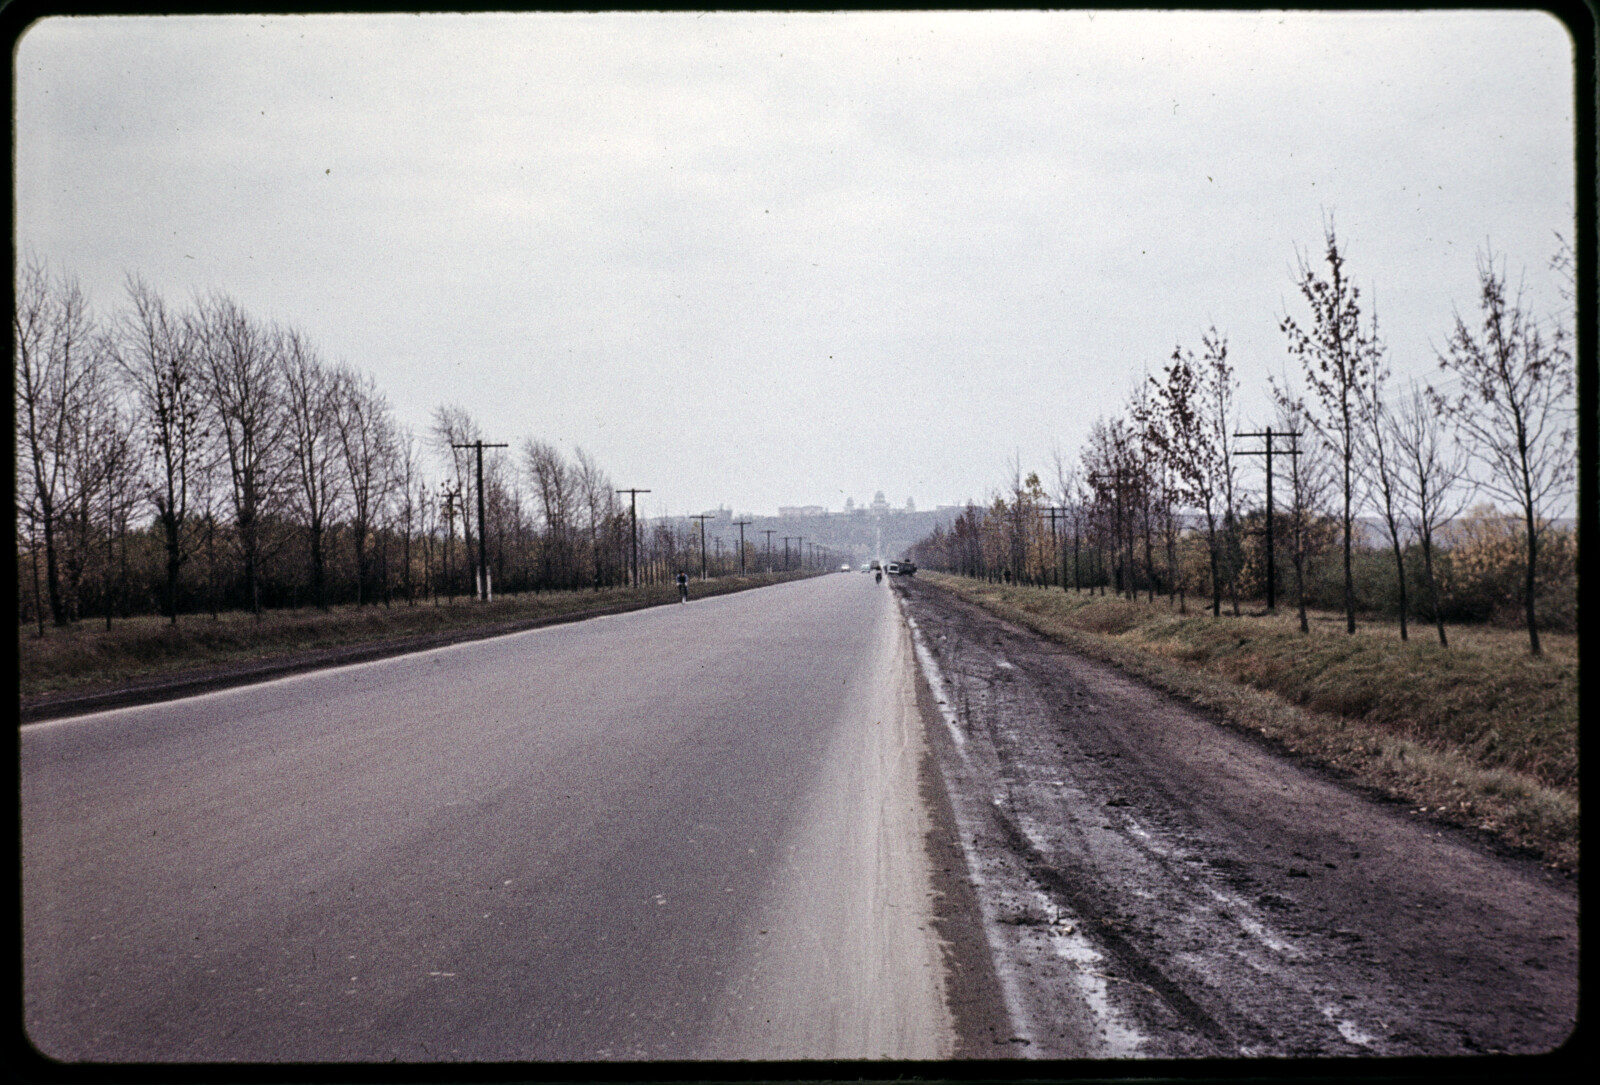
87, 657
1481, 733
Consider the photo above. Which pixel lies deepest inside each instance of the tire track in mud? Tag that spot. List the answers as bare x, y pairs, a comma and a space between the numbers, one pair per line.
1078, 896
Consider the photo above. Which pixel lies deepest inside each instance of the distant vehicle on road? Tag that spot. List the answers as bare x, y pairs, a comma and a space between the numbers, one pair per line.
876, 564
845, 568
894, 568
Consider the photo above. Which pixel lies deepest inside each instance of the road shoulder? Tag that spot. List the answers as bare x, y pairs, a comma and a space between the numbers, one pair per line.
1158, 886
972, 990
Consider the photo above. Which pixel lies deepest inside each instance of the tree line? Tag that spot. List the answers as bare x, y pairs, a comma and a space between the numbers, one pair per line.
1154, 501
181, 460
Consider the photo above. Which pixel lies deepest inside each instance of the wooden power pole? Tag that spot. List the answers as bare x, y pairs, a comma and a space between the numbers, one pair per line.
633, 522
740, 524
702, 517
1267, 451
483, 549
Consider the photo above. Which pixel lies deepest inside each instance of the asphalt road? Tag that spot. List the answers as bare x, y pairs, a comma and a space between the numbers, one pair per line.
683, 832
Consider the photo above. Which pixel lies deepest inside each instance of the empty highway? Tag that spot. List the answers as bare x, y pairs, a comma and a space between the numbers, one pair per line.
686, 832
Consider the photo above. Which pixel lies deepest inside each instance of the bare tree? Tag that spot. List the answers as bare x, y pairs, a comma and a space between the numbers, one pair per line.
453, 427
1146, 440
1016, 539
1190, 447
1219, 388
410, 488
1336, 356
1430, 473
1514, 410
554, 486
243, 375
100, 469
156, 352
311, 393
1067, 487
52, 355
1382, 470
1100, 474
1310, 479
366, 436
118, 462
600, 505
503, 512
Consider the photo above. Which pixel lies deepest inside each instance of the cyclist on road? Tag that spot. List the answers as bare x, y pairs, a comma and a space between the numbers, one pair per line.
683, 587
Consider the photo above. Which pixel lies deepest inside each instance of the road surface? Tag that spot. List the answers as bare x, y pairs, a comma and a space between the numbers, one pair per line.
686, 832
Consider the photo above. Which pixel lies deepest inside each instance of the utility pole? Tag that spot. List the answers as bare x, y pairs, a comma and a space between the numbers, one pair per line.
702, 517
1267, 450
769, 532
1056, 512
483, 549
786, 539
1077, 572
799, 551
741, 524
633, 523
449, 497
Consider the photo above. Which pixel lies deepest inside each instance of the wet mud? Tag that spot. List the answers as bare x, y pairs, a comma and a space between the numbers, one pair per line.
1154, 885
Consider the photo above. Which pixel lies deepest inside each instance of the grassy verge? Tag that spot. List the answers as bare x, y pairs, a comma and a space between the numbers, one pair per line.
88, 657
1481, 734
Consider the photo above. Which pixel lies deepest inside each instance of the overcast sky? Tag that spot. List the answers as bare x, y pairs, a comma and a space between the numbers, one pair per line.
770, 259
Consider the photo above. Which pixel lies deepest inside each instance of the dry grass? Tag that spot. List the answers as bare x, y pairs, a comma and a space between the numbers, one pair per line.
86, 656
1481, 734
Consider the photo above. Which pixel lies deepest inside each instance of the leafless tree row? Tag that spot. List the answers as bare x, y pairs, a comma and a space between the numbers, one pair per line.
1154, 501
158, 440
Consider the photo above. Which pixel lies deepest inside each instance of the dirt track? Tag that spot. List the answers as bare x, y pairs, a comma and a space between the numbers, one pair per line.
1156, 885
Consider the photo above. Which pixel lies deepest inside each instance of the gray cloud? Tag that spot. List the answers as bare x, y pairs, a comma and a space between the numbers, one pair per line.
775, 259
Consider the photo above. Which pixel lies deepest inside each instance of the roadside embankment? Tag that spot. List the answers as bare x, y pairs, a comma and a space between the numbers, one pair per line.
1481, 734
86, 668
